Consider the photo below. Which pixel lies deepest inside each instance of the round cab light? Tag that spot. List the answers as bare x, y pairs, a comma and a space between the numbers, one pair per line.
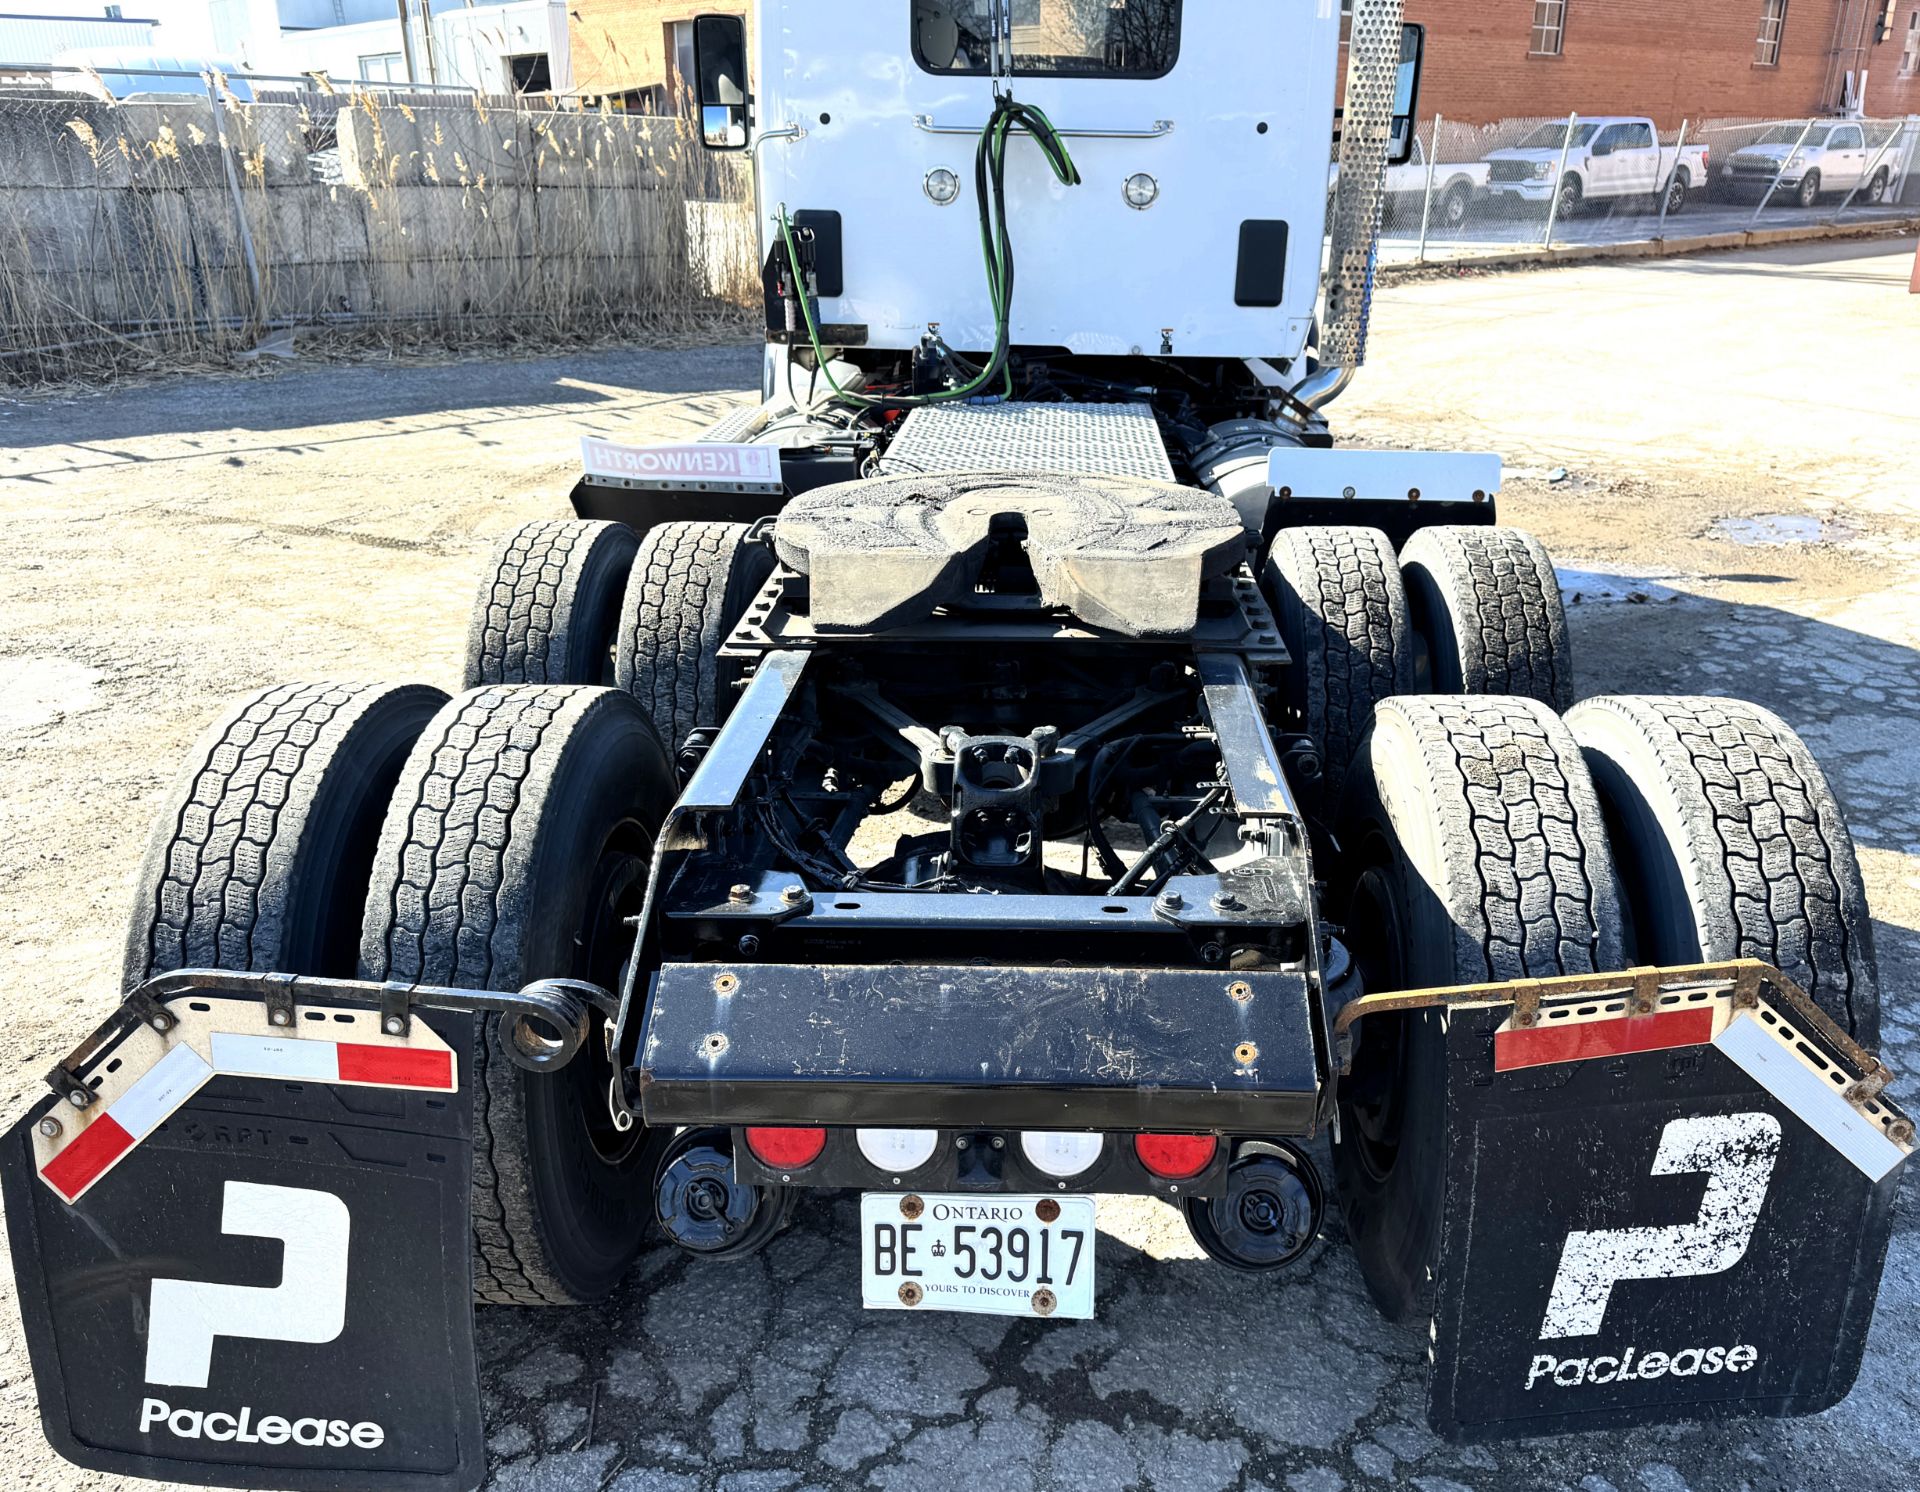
1061, 1153
1175, 1157
898, 1150
1141, 191
942, 187
786, 1149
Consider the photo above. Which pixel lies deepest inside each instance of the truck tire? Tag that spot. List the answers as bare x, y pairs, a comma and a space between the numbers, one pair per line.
690, 585
260, 853
1473, 851
1731, 845
518, 840
1573, 197
1487, 613
1677, 189
550, 604
1809, 193
1877, 188
1342, 610
1456, 206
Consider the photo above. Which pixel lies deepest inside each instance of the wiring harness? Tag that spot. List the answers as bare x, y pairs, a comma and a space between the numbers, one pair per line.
989, 180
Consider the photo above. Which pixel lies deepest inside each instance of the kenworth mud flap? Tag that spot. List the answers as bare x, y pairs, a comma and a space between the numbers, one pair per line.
240, 1231
1668, 1197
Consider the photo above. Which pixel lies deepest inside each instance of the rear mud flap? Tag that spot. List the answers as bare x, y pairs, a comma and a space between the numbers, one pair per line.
1672, 1205
245, 1262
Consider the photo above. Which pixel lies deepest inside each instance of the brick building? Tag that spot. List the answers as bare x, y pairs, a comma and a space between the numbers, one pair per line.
636, 52
1719, 59
1487, 59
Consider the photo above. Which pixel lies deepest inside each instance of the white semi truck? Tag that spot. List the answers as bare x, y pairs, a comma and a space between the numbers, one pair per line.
1026, 758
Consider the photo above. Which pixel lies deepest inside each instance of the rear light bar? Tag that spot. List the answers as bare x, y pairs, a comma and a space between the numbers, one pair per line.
1061, 1153
786, 1149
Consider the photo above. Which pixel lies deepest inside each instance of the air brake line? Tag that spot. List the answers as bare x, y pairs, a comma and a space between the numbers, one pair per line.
989, 179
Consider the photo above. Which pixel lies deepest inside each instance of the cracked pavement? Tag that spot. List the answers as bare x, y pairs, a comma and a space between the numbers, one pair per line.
173, 543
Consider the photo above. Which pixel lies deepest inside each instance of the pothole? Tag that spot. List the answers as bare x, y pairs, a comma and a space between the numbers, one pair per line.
1782, 528
38, 691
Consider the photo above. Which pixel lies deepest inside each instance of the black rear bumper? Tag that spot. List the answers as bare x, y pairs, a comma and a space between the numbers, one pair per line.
982, 1046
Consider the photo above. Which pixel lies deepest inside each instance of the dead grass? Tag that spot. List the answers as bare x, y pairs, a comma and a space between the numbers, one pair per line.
468, 225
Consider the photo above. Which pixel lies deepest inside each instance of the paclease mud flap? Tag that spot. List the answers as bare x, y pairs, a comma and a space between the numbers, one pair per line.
249, 1265
1675, 1216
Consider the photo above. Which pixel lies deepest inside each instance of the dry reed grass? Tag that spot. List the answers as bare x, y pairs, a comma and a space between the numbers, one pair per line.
447, 227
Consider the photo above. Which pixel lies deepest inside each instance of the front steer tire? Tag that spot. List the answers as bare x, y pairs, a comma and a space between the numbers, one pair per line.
1474, 852
1731, 845
549, 604
517, 845
261, 851
690, 585
1487, 610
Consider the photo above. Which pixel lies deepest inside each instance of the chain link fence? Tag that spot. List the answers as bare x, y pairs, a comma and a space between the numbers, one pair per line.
1521, 185
181, 227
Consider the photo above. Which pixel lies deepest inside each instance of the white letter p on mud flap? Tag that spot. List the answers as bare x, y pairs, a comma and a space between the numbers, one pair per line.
1737, 1151
308, 1305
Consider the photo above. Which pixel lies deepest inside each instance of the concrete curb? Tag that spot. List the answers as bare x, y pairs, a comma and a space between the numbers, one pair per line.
1668, 248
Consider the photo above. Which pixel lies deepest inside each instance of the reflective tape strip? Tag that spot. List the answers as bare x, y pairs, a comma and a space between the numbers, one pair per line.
396, 1066
88, 1158
1770, 1063
181, 1072
332, 1061
275, 1057
1582, 1041
160, 1090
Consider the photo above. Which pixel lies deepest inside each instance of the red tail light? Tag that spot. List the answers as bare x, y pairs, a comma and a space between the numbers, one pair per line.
1175, 1157
786, 1149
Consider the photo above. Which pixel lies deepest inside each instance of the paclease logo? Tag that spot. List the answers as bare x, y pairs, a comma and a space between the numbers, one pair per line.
270, 1429
1627, 1367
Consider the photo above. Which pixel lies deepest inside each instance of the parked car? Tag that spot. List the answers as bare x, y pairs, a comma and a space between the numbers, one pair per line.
120, 74
1831, 158
1458, 187
1607, 159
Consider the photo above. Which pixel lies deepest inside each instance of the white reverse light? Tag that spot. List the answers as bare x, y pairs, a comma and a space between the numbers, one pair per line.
942, 186
1141, 191
1060, 1152
898, 1150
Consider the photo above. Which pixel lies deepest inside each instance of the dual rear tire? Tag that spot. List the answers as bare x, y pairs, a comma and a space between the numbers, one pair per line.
1486, 840
568, 601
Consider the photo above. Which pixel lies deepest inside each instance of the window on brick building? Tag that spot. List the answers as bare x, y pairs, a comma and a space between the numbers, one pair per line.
1773, 26
679, 48
1549, 28
1910, 58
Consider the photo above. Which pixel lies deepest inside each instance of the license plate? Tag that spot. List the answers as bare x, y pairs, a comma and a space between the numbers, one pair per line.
992, 1255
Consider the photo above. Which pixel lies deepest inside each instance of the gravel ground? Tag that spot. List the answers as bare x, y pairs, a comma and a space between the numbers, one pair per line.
172, 544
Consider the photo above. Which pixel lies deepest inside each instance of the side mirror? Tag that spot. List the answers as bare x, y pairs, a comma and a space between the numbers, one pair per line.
720, 73
1406, 94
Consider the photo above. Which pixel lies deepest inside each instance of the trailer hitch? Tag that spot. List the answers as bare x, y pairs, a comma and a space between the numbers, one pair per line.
542, 1027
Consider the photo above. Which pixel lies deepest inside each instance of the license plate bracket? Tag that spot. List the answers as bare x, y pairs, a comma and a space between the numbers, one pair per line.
983, 1254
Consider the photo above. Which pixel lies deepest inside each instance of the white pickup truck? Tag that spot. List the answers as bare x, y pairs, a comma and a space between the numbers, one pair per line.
1607, 159
1458, 187
1823, 158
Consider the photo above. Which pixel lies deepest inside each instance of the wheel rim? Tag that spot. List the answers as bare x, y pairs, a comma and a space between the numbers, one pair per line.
1456, 210
602, 945
1372, 1094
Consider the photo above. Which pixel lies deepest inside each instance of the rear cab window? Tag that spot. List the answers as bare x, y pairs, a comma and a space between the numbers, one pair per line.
1051, 38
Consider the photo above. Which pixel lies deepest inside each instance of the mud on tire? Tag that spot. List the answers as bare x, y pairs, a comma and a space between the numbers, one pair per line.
261, 851
549, 604
1731, 845
517, 843
690, 585
1337, 596
1473, 851
1486, 607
